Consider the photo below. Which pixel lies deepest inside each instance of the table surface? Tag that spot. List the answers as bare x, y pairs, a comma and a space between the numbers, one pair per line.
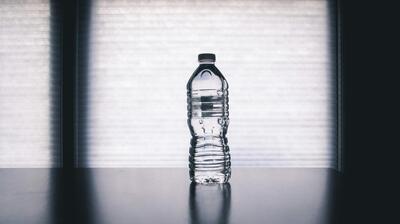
165, 195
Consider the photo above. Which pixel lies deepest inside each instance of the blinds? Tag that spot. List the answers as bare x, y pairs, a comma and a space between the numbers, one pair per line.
279, 58
134, 60
29, 93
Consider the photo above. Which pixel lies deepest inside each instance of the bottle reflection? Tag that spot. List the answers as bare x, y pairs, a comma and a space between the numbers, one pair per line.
209, 203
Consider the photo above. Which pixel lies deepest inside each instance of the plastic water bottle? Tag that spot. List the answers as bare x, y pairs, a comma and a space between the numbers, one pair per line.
208, 119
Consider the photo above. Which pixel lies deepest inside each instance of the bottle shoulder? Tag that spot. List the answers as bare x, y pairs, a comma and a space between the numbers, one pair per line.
207, 77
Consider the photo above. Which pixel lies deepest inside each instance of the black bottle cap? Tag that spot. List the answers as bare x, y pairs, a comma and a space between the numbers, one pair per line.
206, 57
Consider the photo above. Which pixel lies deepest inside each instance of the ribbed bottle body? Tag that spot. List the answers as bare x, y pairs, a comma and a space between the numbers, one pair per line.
208, 120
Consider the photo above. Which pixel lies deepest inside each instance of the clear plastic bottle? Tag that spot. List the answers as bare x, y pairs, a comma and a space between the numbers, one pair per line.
208, 119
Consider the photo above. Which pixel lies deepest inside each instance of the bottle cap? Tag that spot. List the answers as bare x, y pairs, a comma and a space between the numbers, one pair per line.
206, 57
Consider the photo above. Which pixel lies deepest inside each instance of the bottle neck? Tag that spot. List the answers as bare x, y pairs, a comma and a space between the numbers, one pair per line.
207, 62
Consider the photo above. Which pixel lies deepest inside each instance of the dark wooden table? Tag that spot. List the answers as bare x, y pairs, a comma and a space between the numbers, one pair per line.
165, 195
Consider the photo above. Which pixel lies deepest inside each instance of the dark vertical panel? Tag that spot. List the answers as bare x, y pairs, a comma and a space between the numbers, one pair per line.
68, 175
334, 106
340, 109
83, 49
55, 79
370, 89
68, 81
